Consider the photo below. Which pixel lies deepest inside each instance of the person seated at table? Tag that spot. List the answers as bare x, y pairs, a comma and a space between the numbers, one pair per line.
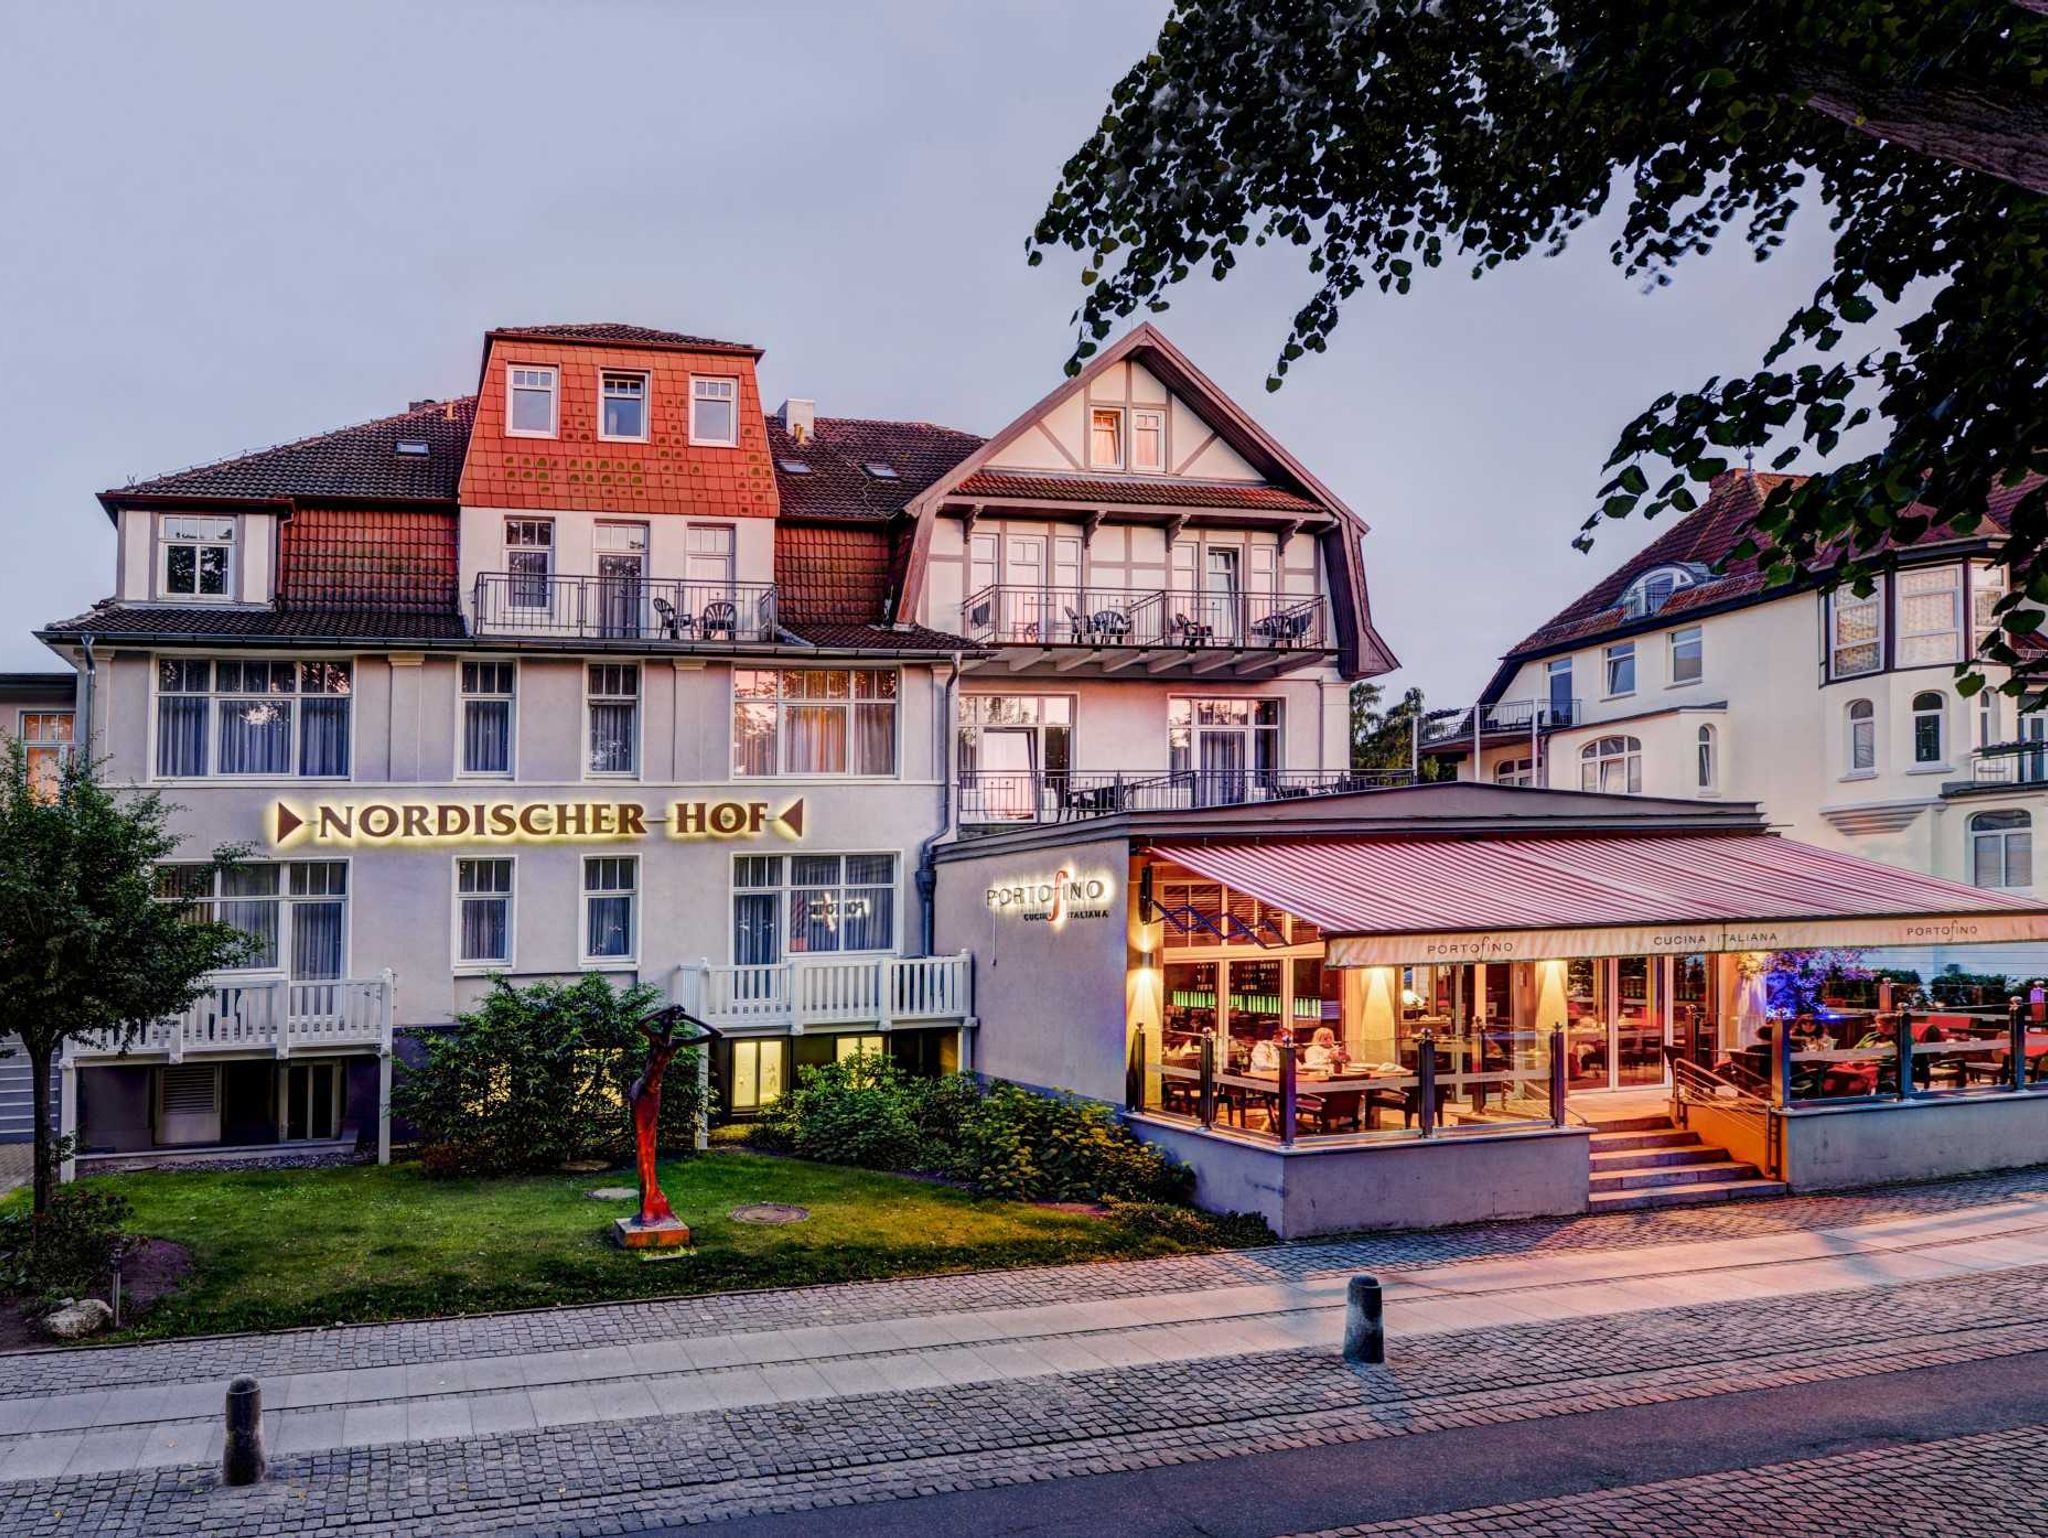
1323, 1054
1266, 1056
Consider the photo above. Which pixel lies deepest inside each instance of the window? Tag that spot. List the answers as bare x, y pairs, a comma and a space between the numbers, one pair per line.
1148, 441
1861, 720
622, 406
1621, 668
1222, 744
1929, 720
715, 412
1706, 770
610, 883
46, 739
1612, 765
814, 721
530, 407
1687, 655
1930, 620
1016, 733
1558, 677
2002, 849
707, 548
1987, 718
844, 1047
274, 719
1653, 589
756, 1074
1987, 586
296, 914
487, 694
483, 913
613, 707
529, 558
198, 557
1515, 771
1856, 634
812, 904
1106, 438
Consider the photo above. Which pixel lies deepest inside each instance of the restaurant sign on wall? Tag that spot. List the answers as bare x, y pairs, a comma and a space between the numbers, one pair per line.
418, 824
1056, 899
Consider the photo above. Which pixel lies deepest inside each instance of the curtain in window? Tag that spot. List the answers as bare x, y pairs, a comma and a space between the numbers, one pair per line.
874, 739
611, 926
180, 735
323, 737
611, 736
753, 739
756, 937
485, 929
249, 902
814, 739
255, 737
318, 933
487, 736
868, 914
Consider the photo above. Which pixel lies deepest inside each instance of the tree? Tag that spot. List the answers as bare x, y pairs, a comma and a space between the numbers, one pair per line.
1382, 738
86, 946
1389, 136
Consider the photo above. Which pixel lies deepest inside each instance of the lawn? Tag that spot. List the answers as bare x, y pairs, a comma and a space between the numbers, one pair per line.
275, 1248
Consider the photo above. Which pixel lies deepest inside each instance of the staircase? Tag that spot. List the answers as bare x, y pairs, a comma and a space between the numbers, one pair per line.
1646, 1161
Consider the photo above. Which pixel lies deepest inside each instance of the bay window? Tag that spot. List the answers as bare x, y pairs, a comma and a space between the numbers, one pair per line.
1855, 633
836, 721
252, 718
1930, 617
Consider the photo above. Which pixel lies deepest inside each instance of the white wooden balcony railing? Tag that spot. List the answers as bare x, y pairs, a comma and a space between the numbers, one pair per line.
274, 1015
883, 991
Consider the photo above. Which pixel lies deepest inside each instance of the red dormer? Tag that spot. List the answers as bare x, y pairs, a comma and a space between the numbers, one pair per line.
613, 418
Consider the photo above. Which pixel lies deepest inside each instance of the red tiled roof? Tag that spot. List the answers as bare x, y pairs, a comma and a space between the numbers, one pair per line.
908, 638
619, 331
359, 461
369, 560
834, 574
1161, 493
836, 483
155, 622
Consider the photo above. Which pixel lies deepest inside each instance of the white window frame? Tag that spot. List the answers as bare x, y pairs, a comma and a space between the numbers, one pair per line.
470, 967
605, 380
213, 696
1915, 712
1123, 450
59, 749
1137, 417
786, 886
639, 698
1851, 720
1595, 756
1698, 636
781, 704
1610, 655
757, 1047
729, 382
859, 1042
284, 899
1515, 771
1707, 760
462, 702
1841, 601
1921, 581
586, 894
554, 373
165, 544
547, 576
2003, 838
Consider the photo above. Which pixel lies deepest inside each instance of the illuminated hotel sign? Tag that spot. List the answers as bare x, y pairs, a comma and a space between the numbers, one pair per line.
1053, 899
413, 824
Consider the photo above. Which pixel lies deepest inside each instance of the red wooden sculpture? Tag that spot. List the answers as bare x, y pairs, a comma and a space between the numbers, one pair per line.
667, 1032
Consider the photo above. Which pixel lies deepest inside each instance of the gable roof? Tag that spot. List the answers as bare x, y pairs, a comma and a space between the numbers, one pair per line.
619, 332
350, 462
837, 485
1054, 487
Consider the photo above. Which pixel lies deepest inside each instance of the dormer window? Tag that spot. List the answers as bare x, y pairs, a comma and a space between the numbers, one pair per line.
198, 557
531, 393
715, 412
1653, 589
1148, 442
880, 470
1106, 438
622, 399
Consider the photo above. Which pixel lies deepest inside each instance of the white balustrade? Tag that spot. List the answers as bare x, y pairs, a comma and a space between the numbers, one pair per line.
273, 1015
828, 991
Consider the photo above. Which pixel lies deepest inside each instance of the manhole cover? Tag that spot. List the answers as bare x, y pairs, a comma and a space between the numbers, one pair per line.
769, 1212
614, 1194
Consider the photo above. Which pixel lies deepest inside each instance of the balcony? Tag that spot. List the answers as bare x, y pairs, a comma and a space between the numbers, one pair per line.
1503, 721
2003, 766
271, 1018
641, 609
1107, 630
991, 799
880, 992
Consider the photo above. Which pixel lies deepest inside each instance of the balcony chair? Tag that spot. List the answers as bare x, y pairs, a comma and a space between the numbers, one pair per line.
721, 617
673, 624
1191, 633
1284, 628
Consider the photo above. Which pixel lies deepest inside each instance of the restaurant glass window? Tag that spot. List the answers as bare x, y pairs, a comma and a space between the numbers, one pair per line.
1585, 1001
1856, 632
1860, 719
1189, 1006
1222, 747
2002, 849
756, 1074
1612, 766
1930, 716
1692, 1018
487, 696
814, 721
1255, 1019
1638, 1022
1930, 617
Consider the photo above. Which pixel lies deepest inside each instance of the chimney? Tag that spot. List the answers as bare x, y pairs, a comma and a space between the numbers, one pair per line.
799, 419
421, 405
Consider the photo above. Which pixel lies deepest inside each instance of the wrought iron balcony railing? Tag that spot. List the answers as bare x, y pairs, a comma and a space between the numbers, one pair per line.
999, 797
1010, 615
1442, 728
612, 608
2010, 763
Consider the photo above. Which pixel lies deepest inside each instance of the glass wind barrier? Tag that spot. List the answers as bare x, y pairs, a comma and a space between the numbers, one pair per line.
1856, 1056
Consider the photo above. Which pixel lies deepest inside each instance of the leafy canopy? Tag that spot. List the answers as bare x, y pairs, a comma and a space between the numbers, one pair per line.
1385, 137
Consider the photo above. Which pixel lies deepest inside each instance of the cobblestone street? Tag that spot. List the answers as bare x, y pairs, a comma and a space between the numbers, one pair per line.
1151, 1391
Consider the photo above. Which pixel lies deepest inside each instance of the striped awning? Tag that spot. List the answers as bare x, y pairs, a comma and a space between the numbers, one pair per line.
1397, 902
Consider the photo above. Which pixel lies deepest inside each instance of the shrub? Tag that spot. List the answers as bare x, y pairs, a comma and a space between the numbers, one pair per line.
1053, 1148
856, 1111
535, 1077
1190, 1227
68, 1248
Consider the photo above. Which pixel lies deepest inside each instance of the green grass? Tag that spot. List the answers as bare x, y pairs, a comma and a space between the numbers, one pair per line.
276, 1248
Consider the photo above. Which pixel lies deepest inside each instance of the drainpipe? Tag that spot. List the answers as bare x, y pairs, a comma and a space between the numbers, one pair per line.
927, 869
92, 674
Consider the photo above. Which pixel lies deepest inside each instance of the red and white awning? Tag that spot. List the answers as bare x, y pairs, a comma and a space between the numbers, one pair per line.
1401, 902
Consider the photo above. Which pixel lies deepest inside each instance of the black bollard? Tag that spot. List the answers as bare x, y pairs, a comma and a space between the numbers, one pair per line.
1365, 1330
242, 1461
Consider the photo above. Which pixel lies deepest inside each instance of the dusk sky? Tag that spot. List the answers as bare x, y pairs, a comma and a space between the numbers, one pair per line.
230, 225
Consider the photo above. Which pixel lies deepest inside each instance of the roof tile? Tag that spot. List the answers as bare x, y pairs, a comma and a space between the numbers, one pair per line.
1151, 493
359, 461
836, 483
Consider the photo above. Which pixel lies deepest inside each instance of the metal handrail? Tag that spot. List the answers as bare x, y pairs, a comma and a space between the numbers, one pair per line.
626, 608
1008, 613
1693, 1085
991, 797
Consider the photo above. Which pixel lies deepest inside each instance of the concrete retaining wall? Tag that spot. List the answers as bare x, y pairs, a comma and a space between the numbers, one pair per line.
1416, 1184
1914, 1140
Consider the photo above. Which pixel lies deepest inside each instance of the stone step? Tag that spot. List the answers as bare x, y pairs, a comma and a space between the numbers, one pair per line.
1605, 1162
1685, 1195
1632, 1123
1619, 1142
1721, 1170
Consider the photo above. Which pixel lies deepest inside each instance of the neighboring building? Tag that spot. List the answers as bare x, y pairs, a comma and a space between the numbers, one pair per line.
38, 709
602, 668
1682, 674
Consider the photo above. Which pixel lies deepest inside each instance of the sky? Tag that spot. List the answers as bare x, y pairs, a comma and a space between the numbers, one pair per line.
226, 225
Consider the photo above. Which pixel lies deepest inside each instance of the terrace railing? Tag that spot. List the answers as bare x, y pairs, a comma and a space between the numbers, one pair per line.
997, 798
1449, 728
881, 991
1012, 615
2010, 763
272, 1015
625, 609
